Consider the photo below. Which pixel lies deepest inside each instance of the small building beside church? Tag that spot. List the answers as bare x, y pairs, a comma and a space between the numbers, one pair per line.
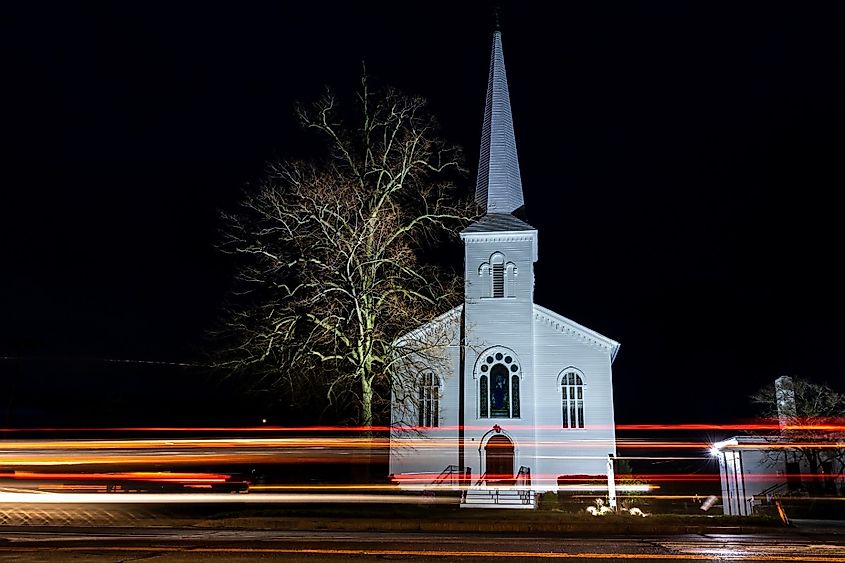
756, 470
517, 389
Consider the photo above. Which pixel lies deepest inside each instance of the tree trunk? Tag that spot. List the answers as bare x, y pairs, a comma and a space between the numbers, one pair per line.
366, 405
367, 424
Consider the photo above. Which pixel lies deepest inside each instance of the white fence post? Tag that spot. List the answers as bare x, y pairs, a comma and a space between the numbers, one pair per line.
611, 483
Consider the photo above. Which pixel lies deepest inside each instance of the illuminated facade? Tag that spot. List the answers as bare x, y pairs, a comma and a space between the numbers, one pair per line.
520, 387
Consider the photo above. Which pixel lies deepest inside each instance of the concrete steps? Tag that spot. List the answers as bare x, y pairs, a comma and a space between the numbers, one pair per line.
499, 497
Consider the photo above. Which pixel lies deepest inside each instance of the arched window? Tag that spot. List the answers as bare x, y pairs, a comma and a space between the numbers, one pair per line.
502, 276
572, 399
429, 401
498, 375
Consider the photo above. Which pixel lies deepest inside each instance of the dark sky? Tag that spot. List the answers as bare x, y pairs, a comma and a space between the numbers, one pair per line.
682, 163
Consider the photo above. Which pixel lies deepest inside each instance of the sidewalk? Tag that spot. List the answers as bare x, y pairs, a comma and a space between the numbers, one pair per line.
815, 526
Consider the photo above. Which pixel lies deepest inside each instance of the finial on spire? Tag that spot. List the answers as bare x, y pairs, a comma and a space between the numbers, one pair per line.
497, 17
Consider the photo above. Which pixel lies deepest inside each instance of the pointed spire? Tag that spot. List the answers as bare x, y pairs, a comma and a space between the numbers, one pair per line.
499, 187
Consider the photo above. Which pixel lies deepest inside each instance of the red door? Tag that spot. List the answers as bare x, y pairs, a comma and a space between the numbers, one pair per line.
499, 456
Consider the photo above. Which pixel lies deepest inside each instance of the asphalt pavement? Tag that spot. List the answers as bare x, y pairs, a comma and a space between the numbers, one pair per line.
166, 545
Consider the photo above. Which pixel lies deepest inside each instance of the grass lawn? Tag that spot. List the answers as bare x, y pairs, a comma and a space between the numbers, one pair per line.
449, 513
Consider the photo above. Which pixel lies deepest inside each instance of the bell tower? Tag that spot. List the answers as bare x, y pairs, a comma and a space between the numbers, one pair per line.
499, 254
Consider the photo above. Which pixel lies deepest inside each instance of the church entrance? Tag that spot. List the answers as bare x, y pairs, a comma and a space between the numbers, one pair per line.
499, 459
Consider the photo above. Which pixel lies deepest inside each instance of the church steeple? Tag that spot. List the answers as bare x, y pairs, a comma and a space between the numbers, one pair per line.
499, 186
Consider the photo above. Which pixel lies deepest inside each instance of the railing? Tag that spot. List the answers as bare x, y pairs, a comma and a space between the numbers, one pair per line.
523, 476
448, 473
523, 485
772, 491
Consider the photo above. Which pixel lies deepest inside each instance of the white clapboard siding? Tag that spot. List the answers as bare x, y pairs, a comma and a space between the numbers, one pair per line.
543, 342
430, 451
559, 346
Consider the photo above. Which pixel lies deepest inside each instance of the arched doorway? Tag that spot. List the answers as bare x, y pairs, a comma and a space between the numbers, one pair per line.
499, 458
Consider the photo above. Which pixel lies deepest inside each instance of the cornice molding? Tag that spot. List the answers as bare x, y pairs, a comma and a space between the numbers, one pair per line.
565, 326
499, 237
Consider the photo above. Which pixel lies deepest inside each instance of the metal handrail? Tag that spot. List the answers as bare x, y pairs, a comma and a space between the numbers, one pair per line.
481, 479
524, 474
771, 490
449, 472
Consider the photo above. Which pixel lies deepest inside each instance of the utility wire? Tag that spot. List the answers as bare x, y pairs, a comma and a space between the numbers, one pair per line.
105, 360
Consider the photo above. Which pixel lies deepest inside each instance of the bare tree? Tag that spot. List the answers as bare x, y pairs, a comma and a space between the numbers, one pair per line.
332, 254
811, 416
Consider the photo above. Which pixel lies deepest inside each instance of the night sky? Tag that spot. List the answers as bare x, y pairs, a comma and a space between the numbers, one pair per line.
682, 163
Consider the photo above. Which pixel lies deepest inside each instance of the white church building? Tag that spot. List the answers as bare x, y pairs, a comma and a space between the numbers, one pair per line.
522, 394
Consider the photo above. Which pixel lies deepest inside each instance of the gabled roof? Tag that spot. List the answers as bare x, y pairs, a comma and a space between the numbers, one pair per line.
499, 186
496, 222
739, 442
563, 324
453, 315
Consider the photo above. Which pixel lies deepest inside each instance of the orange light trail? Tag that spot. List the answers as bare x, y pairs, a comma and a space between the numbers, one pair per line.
159, 476
321, 449
365, 443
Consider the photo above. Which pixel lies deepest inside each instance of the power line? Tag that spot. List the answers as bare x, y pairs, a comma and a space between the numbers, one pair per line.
104, 360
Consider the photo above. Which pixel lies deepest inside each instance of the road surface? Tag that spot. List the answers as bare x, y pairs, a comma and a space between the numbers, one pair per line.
169, 545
